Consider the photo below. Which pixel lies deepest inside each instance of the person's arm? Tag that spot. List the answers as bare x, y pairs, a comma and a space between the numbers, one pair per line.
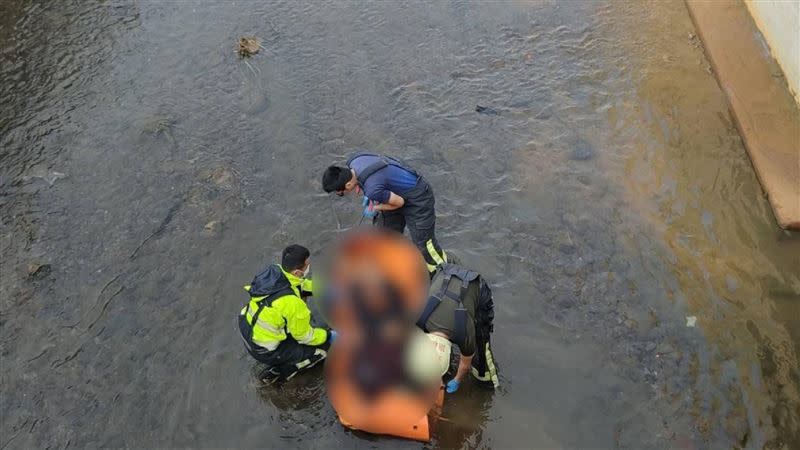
394, 202
298, 322
464, 364
307, 287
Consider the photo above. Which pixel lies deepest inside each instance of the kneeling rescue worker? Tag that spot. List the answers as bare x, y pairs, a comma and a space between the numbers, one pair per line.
401, 196
276, 322
460, 311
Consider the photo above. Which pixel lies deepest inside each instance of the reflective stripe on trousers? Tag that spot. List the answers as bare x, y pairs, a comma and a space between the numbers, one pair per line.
491, 369
435, 256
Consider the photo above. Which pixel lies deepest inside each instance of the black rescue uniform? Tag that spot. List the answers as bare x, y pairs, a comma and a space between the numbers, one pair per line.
461, 306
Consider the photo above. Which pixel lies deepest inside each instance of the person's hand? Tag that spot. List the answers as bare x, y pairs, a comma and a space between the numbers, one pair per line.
369, 210
333, 335
364, 201
452, 386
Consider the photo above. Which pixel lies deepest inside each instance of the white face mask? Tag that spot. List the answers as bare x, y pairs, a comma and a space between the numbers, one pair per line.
307, 271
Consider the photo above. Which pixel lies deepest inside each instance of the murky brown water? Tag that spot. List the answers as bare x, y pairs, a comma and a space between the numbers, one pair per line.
609, 199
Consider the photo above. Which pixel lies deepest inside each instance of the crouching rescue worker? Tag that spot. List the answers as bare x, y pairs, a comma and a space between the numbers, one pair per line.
460, 311
395, 196
276, 322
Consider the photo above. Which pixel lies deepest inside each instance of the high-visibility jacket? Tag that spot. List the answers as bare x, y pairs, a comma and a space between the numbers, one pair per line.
275, 309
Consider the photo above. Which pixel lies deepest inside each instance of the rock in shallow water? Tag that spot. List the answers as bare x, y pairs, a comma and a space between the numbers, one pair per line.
582, 150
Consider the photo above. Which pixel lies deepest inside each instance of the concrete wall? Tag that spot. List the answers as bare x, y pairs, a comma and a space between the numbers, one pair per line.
779, 22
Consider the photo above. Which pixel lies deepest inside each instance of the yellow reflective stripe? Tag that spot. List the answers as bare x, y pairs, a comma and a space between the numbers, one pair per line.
492, 368
478, 376
306, 362
266, 325
434, 254
247, 287
308, 337
269, 345
431, 267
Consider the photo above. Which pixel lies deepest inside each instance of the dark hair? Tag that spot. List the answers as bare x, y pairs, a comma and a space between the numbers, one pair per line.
335, 178
294, 257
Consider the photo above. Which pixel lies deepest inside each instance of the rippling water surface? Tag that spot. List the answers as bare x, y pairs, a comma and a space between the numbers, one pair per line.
146, 172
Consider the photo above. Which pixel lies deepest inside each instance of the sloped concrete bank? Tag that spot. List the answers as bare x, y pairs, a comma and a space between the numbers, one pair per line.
765, 111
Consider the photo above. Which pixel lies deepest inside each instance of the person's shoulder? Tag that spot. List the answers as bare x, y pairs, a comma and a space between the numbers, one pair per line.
287, 300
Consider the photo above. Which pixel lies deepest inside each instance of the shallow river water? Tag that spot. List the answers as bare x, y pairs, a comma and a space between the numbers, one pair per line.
147, 172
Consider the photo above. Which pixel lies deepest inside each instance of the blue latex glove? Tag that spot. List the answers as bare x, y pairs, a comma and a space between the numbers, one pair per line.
452, 386
334, 335
365, 202
368, 211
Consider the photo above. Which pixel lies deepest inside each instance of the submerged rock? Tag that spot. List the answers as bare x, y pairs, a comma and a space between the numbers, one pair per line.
582, 150
38, 271
486, 110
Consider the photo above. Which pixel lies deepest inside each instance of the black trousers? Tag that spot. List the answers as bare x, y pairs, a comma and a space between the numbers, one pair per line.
483, 364
419, 215
289, 358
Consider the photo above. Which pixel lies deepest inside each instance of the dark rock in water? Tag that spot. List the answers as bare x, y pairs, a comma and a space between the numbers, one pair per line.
38, 271
582, 151
486, 110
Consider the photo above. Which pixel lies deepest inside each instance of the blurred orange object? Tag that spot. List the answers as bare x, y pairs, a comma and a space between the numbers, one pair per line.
380, 284
395, 413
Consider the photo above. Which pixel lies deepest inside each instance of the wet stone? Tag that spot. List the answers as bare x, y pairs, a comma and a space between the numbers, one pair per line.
486, 110
581, 151
213, 227
38, 271
665, 348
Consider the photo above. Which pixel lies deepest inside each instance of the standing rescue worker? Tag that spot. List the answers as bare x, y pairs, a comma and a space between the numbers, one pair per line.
396, 191
460, 311
276, 323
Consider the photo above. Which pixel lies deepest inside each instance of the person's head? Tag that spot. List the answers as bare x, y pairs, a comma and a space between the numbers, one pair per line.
295, 259
337, 179
427, 357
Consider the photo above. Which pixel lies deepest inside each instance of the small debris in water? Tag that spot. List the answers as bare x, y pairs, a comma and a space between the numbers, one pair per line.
249, 46
691, 321
38, 271
213, 227
486, 110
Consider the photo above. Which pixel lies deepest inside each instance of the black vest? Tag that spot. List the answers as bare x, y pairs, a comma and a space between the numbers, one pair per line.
466, 276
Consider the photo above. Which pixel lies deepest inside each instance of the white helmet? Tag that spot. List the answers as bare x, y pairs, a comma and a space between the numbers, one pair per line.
427, 357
